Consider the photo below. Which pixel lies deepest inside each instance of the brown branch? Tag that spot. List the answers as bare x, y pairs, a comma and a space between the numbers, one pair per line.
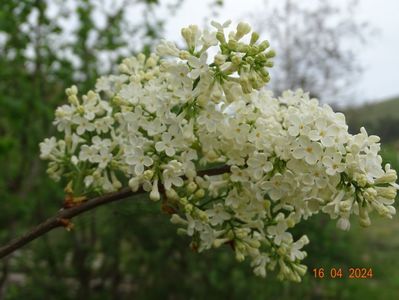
62, 218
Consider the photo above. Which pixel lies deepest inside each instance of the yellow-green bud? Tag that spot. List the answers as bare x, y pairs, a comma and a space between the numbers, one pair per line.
388, 192
361, 179
134, 184
218, 242
254, 38
236, 60
300, 269
183, 201
345, 206
171, 194
241, 47
269, 64
264, 45
253, 243
123, 68
389, 177
364, 217
233, 44
281, 251
188, 208
271, 54
184, 55
200, 193
220, 37
202, 100
73, 90
290, 223
191, 187
176, 219
220, 59
266, 204
202, 215
186, 34
370, 194
151, 62
148, 174
73, 100
242, 29
115, 182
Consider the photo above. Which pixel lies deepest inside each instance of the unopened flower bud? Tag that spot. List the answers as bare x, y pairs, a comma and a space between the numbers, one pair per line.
191, 187
253, 243
220, 59
188, 208
236, 60
123, 69
200, 193
154, 194
254, 38
389, 177
242, 29
184, 55
233, 44
183, 201
73, 90
264, 45
203, 100
370, 194
73, 100
241, 47
239, 256
300, 269
115, 182
220, 37
304, 240
186, 34
151, 62
361, 179
345, 206
218, 242
270, 54
388, 192
148, 174
134, 183
176, 219
269, 64
290, 223
364, 217
74, 160
172, 194
281, 251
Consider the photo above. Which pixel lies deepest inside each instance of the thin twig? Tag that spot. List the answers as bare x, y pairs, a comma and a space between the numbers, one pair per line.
62, 218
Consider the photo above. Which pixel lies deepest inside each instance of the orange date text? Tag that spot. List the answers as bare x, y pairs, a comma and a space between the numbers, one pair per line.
351, 273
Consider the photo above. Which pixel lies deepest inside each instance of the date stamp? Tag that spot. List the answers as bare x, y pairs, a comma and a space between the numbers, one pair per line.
351, 273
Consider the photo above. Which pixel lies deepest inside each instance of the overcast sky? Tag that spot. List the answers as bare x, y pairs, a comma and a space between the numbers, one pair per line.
380, 57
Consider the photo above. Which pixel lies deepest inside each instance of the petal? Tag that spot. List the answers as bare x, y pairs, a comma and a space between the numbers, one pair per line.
170, 151
147, 161
139, 169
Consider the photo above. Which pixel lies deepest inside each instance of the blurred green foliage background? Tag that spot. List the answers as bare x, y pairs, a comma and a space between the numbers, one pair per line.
129, 250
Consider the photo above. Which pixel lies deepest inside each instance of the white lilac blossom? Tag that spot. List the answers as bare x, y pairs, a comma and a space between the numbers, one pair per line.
168, 115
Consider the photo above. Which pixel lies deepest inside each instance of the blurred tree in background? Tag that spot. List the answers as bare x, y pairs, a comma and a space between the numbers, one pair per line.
127, 249
316, 45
